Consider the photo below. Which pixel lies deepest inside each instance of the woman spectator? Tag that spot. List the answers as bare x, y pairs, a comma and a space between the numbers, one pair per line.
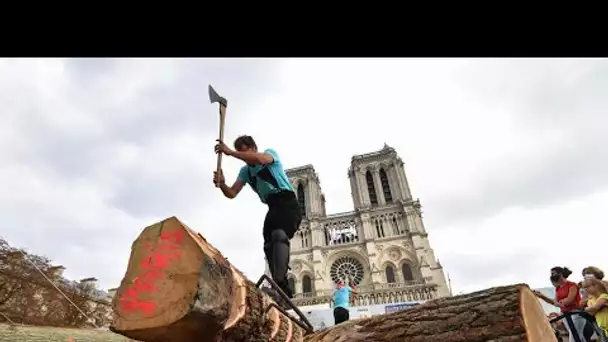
598, 303
567, 298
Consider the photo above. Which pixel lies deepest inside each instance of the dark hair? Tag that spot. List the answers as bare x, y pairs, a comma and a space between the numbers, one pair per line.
563, 271
245, 140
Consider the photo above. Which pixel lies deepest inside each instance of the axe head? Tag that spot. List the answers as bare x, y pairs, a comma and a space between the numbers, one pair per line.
215, 97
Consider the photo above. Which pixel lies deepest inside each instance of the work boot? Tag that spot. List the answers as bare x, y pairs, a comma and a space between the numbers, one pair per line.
280, 265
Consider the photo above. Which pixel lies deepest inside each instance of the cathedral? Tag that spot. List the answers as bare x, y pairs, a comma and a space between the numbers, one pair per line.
382, 246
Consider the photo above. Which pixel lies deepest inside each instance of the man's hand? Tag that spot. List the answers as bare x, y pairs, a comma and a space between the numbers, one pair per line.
218, 178
220, 147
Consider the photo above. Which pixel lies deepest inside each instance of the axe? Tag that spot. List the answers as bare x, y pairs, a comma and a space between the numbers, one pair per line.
215, 97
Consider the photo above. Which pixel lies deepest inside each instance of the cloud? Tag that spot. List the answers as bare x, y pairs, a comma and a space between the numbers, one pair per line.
522, 244
102, 148
507, 156
560, 150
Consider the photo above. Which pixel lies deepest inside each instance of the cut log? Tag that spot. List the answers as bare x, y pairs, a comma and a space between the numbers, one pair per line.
501, 314
178, 288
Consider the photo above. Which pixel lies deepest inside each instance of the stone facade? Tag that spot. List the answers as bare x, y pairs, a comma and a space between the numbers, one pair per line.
382, 245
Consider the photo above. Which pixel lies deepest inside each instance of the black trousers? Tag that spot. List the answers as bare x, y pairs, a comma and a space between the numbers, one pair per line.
341, 315
283, 214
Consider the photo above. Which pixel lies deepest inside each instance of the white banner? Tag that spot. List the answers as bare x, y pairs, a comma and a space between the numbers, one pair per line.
322, 316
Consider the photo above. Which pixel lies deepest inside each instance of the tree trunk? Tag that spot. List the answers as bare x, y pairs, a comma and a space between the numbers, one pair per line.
178, 288
501, 314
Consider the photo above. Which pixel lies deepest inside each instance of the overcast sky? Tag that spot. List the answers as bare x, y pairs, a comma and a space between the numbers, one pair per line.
508, 157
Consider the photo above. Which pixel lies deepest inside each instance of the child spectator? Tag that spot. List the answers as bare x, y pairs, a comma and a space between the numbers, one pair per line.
592, 271
597, 304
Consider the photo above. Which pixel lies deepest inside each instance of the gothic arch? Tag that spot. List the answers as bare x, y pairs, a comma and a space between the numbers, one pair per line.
309, 267
302, 198
371, 186
299, 180
383, 165
302, 239
390, 276
354, 254
307, 280
334, 255
406, 255
413, 272
291, 280
385, 184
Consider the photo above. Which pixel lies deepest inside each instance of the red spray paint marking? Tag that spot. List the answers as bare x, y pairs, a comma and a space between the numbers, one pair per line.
154, 264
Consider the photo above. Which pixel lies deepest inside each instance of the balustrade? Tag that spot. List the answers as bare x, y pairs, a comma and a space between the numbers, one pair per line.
390, 224
340, 231
415, 290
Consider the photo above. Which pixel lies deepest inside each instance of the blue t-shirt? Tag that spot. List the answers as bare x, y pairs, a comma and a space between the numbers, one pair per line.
266, 179
342, 297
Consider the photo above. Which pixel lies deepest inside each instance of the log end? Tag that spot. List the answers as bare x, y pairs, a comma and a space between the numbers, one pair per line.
536, 323
175, 285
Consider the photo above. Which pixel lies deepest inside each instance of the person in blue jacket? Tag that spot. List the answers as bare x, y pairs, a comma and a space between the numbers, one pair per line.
342, 302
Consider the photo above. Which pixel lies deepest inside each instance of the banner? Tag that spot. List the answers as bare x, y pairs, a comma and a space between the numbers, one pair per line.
398, 307
322, 316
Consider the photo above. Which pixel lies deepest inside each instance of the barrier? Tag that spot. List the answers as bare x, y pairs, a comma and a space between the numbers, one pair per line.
589, 319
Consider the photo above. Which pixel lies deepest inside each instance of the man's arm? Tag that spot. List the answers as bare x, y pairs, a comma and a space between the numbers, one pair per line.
251, 157
232, 191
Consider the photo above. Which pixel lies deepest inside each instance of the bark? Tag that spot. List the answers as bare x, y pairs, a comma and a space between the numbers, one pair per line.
178, 288
501, 314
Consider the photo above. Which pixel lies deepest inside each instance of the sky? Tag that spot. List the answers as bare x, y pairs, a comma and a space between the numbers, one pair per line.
509, 157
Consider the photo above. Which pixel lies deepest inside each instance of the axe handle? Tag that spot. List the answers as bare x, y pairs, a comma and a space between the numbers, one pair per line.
219, 155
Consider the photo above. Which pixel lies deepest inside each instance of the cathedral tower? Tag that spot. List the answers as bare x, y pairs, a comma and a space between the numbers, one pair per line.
382, 245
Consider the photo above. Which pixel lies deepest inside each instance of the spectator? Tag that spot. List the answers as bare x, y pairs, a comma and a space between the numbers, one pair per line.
341, 302
592, 271
568, 299
598, 302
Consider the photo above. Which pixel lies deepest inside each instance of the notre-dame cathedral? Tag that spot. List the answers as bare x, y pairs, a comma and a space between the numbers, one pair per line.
381, 246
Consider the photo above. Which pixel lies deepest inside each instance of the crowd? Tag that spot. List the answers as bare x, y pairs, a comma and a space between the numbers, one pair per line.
585, 302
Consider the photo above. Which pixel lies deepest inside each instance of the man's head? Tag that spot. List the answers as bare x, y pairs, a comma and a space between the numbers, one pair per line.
245, 143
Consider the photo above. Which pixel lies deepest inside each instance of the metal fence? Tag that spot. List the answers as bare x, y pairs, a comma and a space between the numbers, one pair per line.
581, 336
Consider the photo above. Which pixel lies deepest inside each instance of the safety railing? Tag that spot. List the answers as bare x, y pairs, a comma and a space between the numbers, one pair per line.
573, 329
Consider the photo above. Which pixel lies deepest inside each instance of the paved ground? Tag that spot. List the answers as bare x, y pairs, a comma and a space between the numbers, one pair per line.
47, 334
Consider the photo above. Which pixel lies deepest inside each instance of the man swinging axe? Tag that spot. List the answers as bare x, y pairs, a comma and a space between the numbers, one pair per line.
265, 175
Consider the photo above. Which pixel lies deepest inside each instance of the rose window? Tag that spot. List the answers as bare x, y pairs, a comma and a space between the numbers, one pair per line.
346, 269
